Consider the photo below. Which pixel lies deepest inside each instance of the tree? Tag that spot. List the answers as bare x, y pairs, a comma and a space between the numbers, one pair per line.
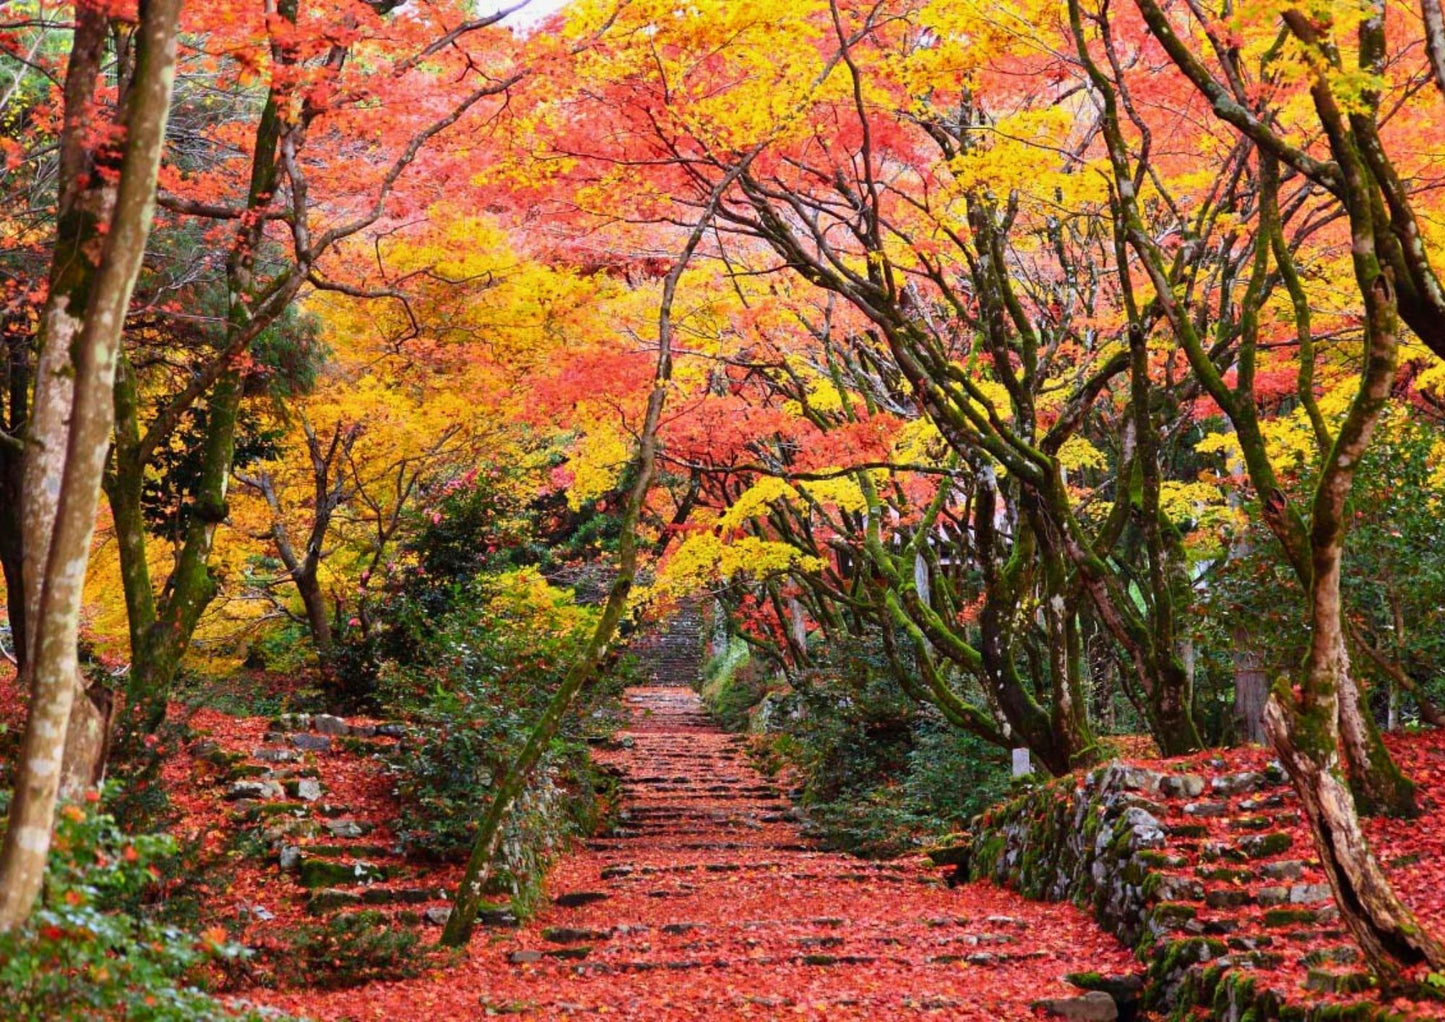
107, 201
1309, 717
281, 235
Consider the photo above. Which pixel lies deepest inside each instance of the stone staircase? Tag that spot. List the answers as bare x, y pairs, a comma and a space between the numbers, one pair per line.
1205, 866
335, 851
705, 874
670, 651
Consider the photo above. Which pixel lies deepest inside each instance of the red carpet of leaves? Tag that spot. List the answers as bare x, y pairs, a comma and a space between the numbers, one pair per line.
714, 909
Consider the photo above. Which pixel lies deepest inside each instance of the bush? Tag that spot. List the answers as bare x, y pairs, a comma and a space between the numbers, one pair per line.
471, 694
732, 685
880, 776
86, 953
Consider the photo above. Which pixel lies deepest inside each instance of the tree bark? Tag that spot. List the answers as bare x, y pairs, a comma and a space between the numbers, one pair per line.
14, 409
72, 423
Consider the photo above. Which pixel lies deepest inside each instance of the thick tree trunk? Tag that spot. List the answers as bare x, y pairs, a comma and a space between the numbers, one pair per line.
1379, 784
1307, 744
72, 428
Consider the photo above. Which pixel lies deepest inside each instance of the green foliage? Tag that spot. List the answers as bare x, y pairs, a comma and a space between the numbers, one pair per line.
90, 950
732, 684
167, 491
881, 776
286, 649
1394, 577
471, 694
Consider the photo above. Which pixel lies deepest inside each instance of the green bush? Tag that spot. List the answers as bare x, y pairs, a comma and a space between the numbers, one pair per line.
880, 775
471, 694
732, 685
87, 953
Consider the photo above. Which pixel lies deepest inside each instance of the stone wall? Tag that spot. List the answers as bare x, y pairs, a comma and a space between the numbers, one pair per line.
1189, 873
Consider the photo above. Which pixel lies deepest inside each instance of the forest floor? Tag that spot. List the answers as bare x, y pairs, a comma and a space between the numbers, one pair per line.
704, 902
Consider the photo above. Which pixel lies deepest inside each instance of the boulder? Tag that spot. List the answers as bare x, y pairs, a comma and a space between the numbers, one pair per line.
1237, 784
347, 828
1288, 869
1272, 896
316, 872
311, 743
1207, 810
266, 755
1182, 786
325, 724
1309, 894
1093, 1006
260, 790
1262, 846
1176, 888
330, 900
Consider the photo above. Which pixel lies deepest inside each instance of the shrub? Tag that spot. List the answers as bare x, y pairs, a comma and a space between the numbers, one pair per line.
471, 694
732, 685
880, 775
85, 953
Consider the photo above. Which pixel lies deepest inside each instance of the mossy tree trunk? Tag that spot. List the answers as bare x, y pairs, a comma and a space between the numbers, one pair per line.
1311, 721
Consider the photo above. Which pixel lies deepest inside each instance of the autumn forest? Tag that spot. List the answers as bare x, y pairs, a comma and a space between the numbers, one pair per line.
833, 509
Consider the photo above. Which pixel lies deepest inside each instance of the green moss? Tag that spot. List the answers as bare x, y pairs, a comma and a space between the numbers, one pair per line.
1224, 874
314, 873
1288, 916
1265, 845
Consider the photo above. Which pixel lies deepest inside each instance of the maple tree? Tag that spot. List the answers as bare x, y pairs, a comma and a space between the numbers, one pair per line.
1033, 350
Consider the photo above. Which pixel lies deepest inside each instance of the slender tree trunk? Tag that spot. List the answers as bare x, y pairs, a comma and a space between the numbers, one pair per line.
1435, 40
14, 408
318, 614
190, 587
1251, 690
78, 434
467, 901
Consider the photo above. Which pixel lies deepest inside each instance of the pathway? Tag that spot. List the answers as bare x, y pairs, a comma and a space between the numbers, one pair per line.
705, 902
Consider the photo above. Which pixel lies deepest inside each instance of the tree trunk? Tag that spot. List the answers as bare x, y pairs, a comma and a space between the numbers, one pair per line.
190, 587
318, 615
1307, 744
72, 426
14, 408
489, 835
1379, 784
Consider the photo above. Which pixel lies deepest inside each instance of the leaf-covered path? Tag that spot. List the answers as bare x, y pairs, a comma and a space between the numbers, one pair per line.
705, 902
